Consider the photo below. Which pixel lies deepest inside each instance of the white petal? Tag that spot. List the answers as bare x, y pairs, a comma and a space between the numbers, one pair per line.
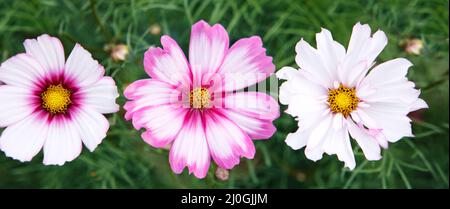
368, 144
331, 51
82, 67
63, 143
340, 145
391, 118
23, 140
296, 84
309, 59
101, 95
21, 70
418, 104
387, 72
16, 103
91, 127
48, 51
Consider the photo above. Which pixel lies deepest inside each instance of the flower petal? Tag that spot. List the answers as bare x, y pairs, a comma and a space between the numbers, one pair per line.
21, 70
368, 144
16, 104
63, 142
162, 123
391, 118
207, 49
253, 112
245, 64
149, 92
226, 141
167, 64
309, 60
190, 148
340, 145
82, 67
332, 52
24, 139
48, 51
91, 127
101, 95
297, 84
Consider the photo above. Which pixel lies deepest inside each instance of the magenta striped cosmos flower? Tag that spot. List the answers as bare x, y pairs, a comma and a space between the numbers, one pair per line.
195, 105
47, 102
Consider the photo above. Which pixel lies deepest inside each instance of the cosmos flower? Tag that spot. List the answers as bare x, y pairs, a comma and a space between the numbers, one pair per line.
47, 102
337, 94
196, 105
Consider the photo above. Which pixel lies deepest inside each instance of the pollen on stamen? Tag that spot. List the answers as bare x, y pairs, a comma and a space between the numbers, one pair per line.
56, 99
199, 98
342, 100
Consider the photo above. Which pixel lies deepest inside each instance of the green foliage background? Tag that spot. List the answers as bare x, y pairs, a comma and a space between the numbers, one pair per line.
123, 160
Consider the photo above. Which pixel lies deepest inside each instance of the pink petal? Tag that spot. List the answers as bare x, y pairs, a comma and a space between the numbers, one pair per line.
82, 67
167, 64
149, 92
48, 51
162, 123
253, 112
226, 141
245, 64
207, 49
190, 148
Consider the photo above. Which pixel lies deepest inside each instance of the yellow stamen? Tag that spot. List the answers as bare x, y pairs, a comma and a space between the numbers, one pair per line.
342, 100
56, 99
199, 98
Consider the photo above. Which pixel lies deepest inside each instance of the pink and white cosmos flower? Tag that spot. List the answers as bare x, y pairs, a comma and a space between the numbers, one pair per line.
337, 93
195, 105
47, 102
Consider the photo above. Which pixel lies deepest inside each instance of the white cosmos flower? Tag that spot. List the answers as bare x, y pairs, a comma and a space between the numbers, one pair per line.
53, 104
335, 95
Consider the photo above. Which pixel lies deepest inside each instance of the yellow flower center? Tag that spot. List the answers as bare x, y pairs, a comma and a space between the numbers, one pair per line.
342, 100
55, 99
199, 98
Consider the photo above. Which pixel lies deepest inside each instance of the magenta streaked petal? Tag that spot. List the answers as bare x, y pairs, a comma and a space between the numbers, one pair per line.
162, 123
207, 49
100, 96
63, 143
48, 51
24, 139
82, 67
190, 148
226, 141
16, 104
253, 112
167, 64
149, 92
245, 64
